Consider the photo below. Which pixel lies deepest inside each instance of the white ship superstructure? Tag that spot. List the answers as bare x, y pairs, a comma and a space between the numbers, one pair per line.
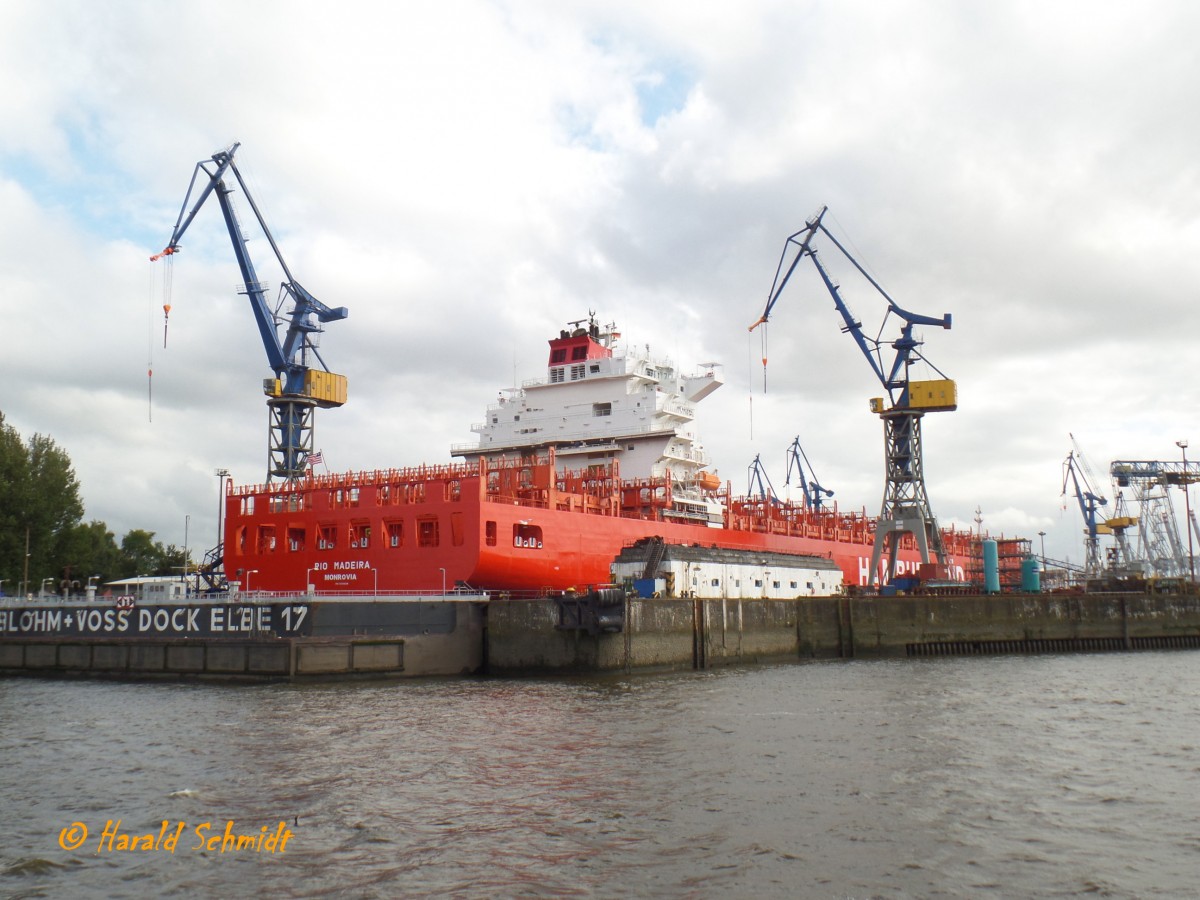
601, 402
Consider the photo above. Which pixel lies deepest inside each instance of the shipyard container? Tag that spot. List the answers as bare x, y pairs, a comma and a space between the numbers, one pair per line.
326, 388
941, 394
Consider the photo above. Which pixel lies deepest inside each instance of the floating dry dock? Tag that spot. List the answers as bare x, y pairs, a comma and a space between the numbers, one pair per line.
253, 639
304, 637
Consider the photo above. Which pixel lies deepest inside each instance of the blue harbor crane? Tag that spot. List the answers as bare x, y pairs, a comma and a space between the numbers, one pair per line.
905, 500
814, 494
1076, 475
758, 482
297, 387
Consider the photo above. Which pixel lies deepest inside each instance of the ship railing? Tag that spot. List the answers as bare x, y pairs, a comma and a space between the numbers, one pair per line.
362, 478
235, 597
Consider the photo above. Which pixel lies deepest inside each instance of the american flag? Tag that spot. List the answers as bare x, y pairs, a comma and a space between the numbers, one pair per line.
315, 459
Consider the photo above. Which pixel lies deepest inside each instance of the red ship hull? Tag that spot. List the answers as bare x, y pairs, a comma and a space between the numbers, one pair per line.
520, 526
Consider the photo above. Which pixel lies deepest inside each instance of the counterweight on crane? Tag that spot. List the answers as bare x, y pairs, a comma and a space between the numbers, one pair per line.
906, 506
296, 388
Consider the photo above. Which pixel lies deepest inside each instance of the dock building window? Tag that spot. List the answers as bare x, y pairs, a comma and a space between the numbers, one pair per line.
489, 533
601, 409
578, 372
328, 537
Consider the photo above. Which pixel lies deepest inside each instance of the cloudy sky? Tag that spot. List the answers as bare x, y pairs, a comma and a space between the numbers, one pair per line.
467, 176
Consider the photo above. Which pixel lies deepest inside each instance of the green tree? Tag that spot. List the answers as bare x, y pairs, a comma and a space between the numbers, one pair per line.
39, 507
93, 551
140, 554
14, 466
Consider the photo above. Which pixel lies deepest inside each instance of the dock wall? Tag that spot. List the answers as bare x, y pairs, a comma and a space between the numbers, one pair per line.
300, 638
527, 636
292, 640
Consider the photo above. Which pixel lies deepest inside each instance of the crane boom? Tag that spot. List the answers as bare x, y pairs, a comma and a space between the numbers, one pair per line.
297, 387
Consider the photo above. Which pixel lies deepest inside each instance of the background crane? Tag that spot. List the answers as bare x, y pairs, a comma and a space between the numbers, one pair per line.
813, 492
758, 483
1076, 475
905, 500
1160, 544
296, 388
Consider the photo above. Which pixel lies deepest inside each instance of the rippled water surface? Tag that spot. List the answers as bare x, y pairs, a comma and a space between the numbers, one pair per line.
1003, 777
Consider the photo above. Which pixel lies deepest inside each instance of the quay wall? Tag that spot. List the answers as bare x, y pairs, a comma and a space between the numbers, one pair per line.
303, 638
526, 636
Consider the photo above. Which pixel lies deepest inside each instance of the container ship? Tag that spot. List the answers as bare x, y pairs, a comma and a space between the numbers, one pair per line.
567, 472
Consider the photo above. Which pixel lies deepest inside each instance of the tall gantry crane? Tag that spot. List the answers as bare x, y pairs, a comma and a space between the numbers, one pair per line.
297, 388
906, 506
1159, 541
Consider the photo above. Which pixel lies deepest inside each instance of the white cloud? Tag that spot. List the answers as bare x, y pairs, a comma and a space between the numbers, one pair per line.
468, 176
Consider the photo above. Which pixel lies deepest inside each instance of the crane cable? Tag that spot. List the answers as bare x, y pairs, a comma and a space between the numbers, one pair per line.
150, 348
165, 294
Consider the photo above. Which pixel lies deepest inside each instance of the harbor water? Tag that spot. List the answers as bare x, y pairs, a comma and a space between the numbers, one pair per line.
1045, 776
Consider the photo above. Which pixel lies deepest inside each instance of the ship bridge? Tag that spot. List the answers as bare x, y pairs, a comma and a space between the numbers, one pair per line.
603, 402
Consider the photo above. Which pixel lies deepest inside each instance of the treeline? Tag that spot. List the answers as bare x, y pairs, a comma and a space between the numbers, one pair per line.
44, 541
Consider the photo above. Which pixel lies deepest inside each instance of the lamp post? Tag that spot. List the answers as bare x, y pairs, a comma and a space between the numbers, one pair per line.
25, 576
221, 474
187, 520
1187, 502
91, 588
249, 572
42, 588
1042, 535
443, 571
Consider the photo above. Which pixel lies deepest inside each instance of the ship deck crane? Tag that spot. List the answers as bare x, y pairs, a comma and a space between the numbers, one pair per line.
906, 505
814, 493
296, 388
